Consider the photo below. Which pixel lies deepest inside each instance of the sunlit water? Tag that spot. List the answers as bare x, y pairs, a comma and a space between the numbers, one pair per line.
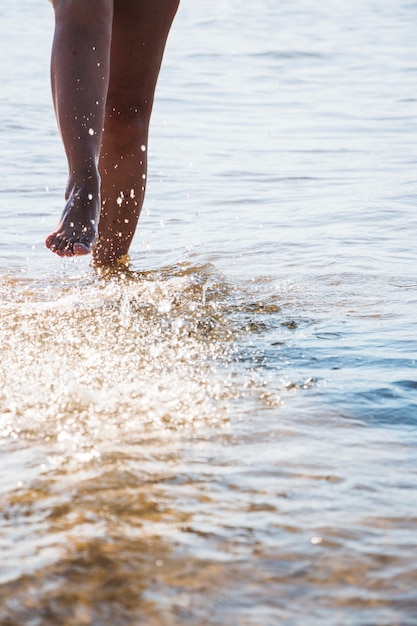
225, 433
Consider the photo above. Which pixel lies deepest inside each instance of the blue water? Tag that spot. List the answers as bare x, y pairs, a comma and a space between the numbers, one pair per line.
226, 432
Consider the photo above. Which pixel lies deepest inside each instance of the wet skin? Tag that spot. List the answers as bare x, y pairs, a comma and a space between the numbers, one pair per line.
105, 63
77, 230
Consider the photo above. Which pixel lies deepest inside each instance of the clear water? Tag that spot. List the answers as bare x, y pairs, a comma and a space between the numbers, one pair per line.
226, 433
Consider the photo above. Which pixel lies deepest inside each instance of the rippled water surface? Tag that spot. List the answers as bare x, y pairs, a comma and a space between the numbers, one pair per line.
224, 433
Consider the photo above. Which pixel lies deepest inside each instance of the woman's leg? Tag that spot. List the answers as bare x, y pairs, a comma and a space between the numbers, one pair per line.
140, 30
80, 69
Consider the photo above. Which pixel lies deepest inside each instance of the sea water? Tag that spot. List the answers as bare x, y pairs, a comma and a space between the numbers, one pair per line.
223, 433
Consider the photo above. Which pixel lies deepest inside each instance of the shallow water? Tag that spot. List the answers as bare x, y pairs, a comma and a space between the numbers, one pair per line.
226, 432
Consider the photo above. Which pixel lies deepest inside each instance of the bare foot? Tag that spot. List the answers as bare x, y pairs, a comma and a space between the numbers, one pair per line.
109, 252
117, 227
113, 241
77, 229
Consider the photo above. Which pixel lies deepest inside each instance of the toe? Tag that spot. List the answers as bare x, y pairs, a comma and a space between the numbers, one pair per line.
80, 248
50, 241
60, 246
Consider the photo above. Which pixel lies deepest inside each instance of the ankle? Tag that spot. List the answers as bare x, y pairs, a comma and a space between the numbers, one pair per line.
86, 181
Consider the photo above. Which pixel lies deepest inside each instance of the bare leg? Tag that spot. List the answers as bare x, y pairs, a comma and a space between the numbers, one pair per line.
140, 30
80, 68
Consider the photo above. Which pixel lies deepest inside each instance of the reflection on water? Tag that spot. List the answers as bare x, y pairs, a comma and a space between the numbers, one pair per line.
225, 433
155, 469
121, 378
117, 348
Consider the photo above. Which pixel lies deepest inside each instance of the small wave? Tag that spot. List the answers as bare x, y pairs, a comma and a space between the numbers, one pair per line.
105, 355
